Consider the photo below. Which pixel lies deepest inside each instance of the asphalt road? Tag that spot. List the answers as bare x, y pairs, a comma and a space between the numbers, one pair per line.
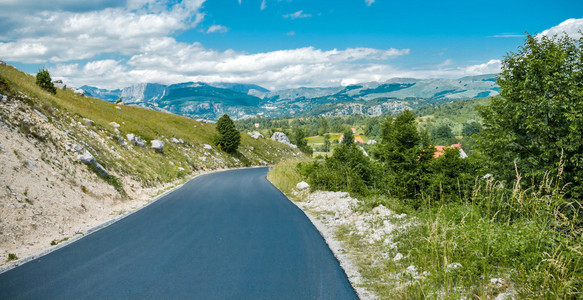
226, 235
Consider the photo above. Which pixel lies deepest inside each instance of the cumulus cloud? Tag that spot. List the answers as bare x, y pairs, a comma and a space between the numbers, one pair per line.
570, 27
78, 38
63, 35
297, 15
217, 29
369, 2
169, 61
491, 67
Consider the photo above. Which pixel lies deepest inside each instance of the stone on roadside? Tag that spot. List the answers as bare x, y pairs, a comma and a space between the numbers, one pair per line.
302, 185
88, 159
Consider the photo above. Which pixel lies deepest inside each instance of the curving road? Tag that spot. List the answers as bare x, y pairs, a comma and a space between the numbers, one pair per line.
225, 235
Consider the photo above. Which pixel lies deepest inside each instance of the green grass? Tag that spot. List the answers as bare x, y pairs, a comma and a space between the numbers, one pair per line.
530, 239
285, 177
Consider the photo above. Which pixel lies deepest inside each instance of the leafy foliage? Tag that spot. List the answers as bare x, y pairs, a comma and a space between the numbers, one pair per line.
537, 121
43, 79
229, 137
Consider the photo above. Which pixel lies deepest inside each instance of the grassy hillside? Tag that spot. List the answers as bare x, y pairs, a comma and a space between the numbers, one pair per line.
86, 122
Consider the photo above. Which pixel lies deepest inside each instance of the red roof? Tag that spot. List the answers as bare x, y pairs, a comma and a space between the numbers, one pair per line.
440, 150
356, 139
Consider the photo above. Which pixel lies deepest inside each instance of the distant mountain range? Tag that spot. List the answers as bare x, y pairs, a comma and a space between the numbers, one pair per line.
211, 100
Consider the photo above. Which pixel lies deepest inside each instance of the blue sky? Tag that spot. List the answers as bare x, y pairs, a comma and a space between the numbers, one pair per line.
275, 43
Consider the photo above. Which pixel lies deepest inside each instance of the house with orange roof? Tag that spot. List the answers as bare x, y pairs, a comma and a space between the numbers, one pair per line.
356, 139
440, 150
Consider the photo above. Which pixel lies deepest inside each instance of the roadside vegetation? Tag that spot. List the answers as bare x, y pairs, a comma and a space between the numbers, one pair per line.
506, 221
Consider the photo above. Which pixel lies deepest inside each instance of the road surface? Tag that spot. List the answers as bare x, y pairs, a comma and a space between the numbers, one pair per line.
225, 235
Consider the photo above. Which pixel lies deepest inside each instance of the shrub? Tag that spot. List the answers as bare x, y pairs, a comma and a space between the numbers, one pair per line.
43, 79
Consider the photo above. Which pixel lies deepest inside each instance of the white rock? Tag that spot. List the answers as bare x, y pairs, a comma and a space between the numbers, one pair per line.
497, 281
282, 138
207, 147
79, 92
86, 158
114, 125
77, 148
180, 169
88, 121
302, 185
157, 145
28, 164
202, 158
117, 107
398, 257
371, 142
256, 135
175, 141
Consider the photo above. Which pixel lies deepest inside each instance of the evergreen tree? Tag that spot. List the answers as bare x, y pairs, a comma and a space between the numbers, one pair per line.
229, 137
348, 138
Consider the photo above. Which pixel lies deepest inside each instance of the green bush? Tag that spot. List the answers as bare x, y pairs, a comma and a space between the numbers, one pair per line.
537, 120
43, 79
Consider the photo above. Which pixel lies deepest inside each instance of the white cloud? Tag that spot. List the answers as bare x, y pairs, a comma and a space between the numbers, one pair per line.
446, 63
297, 15
61, 35
369, 2
491, 67
291, 33
217, 29
263, 5
571, 27
169, 61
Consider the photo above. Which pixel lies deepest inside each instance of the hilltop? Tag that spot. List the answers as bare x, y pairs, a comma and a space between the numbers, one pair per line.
70, 162
211, 100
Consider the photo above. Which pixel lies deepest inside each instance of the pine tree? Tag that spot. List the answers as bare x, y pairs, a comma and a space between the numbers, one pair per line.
229, 137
